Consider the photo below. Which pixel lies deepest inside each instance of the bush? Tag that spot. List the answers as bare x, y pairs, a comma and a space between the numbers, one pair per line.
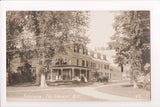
102, 79
23, 75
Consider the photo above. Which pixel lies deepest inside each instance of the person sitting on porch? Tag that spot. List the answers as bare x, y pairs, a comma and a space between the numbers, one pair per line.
56, 77
60, 78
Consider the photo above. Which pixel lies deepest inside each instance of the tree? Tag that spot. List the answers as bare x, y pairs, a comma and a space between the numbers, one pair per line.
48, 31
131, 41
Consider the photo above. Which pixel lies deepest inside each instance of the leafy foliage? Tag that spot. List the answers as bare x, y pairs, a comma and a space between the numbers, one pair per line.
131, 40
42, 34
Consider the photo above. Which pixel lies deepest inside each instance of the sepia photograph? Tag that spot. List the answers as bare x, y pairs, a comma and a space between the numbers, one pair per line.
88, 55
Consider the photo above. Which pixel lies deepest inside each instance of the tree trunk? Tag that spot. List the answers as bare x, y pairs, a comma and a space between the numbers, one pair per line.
135, 84
43, 80
8, 72
121, 67
37, 75
135, 80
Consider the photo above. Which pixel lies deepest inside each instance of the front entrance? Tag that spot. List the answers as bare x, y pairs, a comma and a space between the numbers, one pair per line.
67, 74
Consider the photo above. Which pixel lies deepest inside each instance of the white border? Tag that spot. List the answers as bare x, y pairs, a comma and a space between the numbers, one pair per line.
153, 6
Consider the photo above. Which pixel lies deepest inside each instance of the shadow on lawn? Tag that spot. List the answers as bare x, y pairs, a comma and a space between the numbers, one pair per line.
139, 86
57, 84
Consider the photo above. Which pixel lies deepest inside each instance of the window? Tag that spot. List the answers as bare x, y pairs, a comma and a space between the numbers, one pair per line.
78, 49
107, 66
86, 52
64, 61
87, 63
61, 61
83, 51
77, 62
83, 63
101, 66
94, 65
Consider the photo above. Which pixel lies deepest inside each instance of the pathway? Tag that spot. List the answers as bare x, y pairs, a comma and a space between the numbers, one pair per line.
91, 91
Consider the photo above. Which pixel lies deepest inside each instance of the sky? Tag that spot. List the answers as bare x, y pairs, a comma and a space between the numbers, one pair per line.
100, 31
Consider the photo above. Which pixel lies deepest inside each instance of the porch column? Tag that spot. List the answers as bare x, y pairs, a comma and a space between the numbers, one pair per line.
86, 73
70, 74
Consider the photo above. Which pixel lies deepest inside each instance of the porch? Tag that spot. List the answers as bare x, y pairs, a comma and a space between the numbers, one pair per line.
68, 74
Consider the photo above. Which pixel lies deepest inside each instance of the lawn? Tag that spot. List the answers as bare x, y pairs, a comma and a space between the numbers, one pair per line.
126, 91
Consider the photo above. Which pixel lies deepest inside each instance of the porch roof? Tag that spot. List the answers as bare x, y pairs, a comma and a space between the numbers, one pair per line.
70, 67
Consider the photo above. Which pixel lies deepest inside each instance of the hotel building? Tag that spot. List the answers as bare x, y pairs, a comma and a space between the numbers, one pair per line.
78, 62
